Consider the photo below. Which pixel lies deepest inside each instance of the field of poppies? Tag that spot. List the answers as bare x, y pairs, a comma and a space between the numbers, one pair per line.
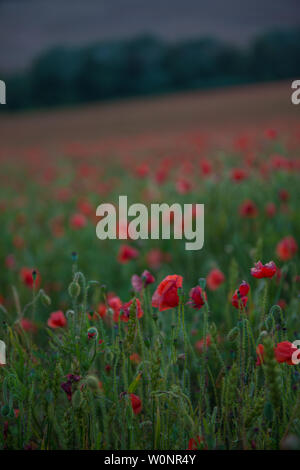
122, 344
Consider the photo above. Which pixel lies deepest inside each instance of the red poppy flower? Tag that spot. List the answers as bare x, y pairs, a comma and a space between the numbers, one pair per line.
238, 174
194, 444
156, 257
287, 248
30, 277
240, 295
214, 279
166, 294
135, 358
115, 304
136, 403
248, 209
270, 209
271, 134
57, 320
127, 253
199, 345
284, 195
78, 221
198, 297
284, 352
264, 270
28, 325
183, 186
260, 354
206, 167
125, 310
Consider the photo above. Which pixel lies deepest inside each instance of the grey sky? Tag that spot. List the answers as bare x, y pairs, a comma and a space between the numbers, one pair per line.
27, 27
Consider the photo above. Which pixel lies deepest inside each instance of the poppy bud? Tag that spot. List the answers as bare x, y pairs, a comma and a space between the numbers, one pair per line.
5, 411
92, 333
74, 256
74, 290
202, 282
92, 382
233, 334
45, 299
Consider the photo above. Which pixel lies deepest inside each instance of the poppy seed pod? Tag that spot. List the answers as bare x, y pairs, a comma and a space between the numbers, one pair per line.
92, 382
74, 290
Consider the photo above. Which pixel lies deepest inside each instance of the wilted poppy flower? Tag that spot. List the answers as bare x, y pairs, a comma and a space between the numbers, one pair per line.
125, 310
127, 253
194, 444
264, 270
199, 345
214, 279
239, 297
287, 248
260, 354
198, 297
30, 277
284, 352
57, 320
67, 386
248, 209
78, 221
136, 403
166, 294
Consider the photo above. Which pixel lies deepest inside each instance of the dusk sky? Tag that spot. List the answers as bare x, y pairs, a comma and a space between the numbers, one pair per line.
27, 27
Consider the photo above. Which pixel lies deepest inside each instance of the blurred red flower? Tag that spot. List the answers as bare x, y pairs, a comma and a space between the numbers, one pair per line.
286, 248
260, 354
248, 209
127, 253
136, 403
238, 174
214, 279
78, 221
194, 444
199, 345
30, 277
28, 325
270, 209
57, 320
